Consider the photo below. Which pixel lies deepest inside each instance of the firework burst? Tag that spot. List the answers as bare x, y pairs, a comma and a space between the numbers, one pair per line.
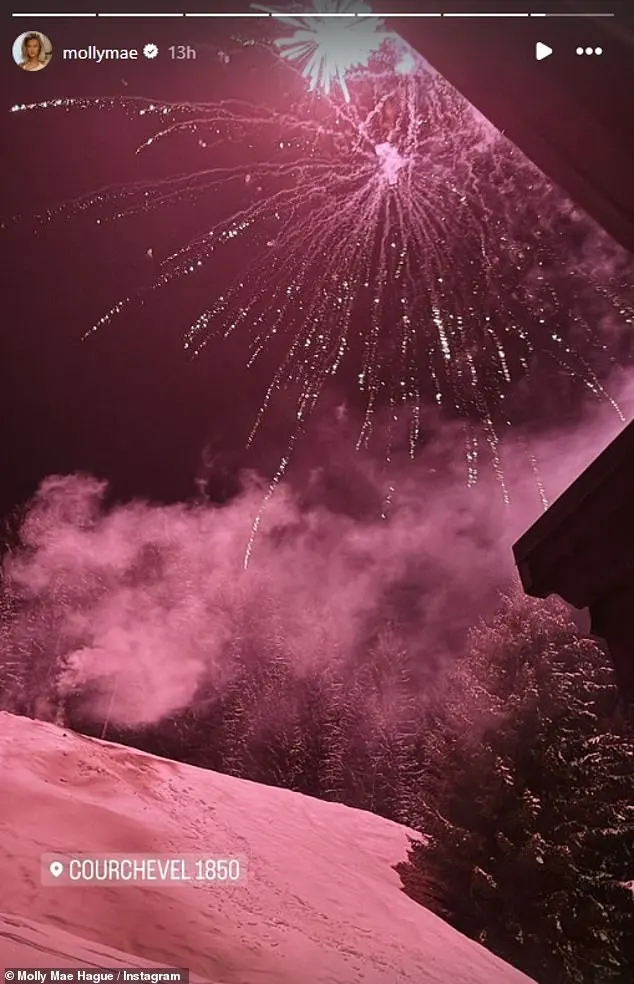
389, 233
328, 48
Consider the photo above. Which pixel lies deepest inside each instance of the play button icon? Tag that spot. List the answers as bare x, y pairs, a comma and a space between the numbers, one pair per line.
542, 51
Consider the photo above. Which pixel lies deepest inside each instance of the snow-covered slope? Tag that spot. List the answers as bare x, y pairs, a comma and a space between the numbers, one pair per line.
322, 902
26, 943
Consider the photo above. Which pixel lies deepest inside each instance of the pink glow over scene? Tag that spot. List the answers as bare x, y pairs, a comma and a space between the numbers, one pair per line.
300, 344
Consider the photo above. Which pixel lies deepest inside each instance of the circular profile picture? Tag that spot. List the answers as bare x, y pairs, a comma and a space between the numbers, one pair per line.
32, 51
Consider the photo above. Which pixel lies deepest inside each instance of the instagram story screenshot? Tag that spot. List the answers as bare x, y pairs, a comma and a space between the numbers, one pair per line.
317, 491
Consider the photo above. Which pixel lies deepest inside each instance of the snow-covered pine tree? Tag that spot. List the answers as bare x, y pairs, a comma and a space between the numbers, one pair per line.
379, 728
527, 800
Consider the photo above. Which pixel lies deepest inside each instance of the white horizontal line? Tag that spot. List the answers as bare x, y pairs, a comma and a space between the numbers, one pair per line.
485, 15
226, 15
574, 15
100, 14
29, 14
303, 16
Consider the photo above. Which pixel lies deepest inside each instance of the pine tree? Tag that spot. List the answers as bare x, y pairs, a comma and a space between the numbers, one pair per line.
527, 802
381, 763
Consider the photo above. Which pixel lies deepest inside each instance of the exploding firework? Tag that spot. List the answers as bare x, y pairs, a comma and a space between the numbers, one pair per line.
387, 232
328, 48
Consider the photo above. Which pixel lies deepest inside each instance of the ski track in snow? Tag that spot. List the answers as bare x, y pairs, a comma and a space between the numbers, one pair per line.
321, 904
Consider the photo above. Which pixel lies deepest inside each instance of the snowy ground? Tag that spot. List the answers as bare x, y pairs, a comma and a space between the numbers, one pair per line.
322, 904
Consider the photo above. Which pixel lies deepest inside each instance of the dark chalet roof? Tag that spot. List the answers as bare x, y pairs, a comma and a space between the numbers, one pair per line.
582, 548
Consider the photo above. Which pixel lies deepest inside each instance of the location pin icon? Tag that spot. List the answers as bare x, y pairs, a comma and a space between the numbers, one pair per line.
56, 868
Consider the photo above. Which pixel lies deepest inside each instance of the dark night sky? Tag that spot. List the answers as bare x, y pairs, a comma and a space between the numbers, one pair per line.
126, 404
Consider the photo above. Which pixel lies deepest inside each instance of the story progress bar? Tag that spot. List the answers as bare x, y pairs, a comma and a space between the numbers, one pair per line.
303, 16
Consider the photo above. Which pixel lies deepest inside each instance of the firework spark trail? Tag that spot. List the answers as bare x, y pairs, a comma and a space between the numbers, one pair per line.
383, 232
